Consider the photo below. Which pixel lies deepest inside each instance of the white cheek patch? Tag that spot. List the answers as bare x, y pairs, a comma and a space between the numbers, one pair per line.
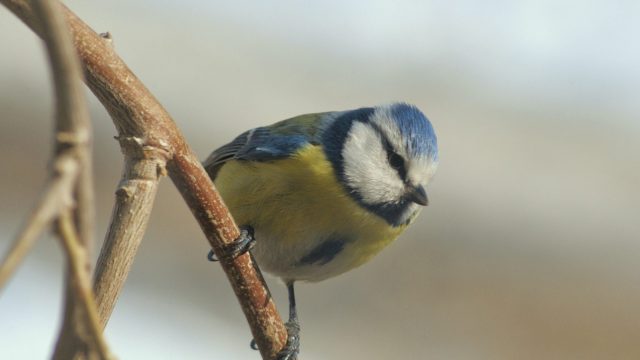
366, 168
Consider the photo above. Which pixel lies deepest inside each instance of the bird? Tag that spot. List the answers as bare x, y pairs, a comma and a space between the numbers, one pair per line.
323, 193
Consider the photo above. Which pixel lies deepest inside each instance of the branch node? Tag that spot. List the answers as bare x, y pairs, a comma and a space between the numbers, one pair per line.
123, 192
139, 148
107, 37
75, 138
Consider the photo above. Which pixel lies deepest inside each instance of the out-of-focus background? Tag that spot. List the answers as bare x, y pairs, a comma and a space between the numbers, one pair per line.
530, 247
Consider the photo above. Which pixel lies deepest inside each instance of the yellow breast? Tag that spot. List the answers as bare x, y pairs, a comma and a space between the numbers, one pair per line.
295, 204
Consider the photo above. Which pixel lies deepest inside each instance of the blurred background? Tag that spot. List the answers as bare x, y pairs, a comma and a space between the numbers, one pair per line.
530, 247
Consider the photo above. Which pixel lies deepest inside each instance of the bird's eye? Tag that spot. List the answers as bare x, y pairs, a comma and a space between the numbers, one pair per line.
396, 161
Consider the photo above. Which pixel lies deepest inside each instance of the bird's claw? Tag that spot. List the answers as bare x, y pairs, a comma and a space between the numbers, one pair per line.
253, 344
237, 247
291, 349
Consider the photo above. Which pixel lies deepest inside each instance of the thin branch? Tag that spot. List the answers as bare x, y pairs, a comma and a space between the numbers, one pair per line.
73, 135
55, 198
80, 280
136, 113
134, 200
72, 125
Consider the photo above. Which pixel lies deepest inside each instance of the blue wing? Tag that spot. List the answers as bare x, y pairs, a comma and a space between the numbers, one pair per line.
277, 141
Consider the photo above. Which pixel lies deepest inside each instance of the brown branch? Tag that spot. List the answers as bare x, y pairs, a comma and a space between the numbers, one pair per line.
134, 200
136, 113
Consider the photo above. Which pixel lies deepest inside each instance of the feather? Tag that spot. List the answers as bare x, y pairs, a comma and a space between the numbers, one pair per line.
277, 141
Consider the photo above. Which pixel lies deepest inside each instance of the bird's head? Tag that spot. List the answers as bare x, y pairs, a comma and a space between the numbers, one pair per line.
385, 156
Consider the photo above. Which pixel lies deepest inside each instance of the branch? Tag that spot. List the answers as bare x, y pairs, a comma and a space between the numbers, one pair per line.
136, 113
69, 197
134, 200
55, 198
80, 281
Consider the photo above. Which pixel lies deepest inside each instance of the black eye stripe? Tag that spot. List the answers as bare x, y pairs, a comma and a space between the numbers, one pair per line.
395, 160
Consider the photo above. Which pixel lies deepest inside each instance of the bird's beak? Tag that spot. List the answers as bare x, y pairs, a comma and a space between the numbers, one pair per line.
418, 195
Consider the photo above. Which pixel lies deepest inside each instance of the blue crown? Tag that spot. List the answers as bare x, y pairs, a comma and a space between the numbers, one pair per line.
416, 129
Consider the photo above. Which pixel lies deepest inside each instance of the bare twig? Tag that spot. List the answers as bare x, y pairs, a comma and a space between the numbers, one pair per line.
55, 198
137, 114
80, 280
69, 197
134, 200
72, 133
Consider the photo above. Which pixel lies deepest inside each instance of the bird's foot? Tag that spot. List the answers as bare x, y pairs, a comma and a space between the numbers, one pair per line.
237, 247
292, 347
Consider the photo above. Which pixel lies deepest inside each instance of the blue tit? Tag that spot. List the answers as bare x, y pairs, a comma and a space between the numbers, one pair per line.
326, 192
